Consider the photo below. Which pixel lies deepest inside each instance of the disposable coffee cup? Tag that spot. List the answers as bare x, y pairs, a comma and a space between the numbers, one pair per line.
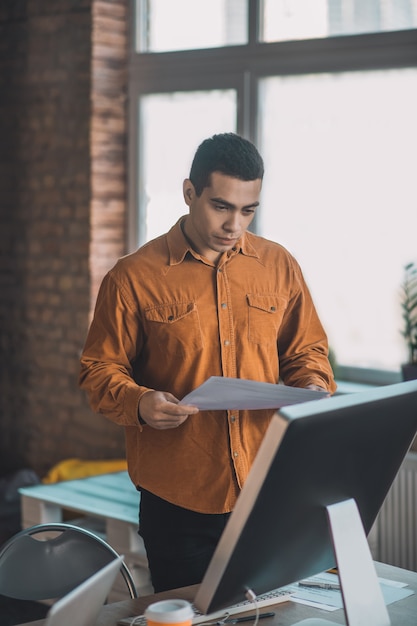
169, 613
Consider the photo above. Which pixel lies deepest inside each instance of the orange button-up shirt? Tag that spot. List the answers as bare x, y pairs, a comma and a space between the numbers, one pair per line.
167, 319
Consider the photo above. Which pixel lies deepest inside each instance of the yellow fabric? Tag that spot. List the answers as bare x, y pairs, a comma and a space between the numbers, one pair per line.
70, 469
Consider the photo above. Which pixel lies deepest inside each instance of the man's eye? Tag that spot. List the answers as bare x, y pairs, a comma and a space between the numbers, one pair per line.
220, 207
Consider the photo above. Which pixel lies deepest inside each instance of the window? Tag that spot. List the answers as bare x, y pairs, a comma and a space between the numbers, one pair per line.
163, 25
330, 100
339, 149
172, 125
305, 19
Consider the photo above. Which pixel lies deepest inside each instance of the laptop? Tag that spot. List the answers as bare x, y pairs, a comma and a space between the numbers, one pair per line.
82, 605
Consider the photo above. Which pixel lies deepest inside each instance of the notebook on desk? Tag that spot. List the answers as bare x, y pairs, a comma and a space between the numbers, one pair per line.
81, 606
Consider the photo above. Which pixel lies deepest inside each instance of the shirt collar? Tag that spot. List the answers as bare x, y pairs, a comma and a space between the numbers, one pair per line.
179, 247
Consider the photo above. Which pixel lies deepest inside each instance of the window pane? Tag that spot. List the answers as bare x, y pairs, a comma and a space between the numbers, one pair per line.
340, 193
309, 19
165, 25
172, 126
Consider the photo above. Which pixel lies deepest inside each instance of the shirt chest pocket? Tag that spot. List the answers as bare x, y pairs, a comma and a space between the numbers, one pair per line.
174, 328
265, 313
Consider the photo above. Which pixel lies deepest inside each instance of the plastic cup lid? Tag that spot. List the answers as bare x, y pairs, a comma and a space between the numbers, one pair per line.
171, 611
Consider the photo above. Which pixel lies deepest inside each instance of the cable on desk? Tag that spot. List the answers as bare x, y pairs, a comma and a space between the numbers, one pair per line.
251, 596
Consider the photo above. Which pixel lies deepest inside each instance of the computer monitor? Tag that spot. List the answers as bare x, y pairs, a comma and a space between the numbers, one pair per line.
343, 449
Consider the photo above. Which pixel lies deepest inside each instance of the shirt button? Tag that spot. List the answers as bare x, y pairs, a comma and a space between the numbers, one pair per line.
227, 342
235, 454
224, 305
233, 419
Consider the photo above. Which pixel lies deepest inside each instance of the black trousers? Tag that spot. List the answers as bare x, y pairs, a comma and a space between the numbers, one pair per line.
179, 543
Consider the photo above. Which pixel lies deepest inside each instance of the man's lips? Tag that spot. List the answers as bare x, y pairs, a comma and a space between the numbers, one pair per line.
226, 240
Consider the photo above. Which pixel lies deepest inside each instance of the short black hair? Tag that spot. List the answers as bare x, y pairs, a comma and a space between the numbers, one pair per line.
228, 154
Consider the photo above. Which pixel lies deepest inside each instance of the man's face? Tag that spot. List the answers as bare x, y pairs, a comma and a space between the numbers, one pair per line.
220, 216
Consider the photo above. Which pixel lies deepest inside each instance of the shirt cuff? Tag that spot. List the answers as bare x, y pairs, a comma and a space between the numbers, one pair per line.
133, 396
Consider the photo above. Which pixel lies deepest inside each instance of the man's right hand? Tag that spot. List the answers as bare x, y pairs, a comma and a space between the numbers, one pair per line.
161, 410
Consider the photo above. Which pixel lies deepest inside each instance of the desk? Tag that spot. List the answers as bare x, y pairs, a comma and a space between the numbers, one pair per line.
402, 613
109, 506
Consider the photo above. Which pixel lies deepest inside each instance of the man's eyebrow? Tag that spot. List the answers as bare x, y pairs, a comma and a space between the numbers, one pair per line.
233, 206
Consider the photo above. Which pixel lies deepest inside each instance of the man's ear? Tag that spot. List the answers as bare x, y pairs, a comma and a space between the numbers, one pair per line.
188, 191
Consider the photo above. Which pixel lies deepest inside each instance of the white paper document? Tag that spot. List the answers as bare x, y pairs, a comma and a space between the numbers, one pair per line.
331, 599
222, 393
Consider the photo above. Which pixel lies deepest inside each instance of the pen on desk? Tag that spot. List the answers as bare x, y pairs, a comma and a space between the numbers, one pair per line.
247, 618
312, 584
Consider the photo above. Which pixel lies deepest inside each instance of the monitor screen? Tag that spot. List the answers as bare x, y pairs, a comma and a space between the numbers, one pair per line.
313, 455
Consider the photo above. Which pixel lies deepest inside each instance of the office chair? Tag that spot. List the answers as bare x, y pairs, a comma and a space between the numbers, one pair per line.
47, 568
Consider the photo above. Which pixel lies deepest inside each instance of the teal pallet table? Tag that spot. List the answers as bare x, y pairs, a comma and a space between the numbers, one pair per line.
107, 504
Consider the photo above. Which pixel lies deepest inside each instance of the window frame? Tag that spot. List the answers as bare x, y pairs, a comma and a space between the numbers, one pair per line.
240, 68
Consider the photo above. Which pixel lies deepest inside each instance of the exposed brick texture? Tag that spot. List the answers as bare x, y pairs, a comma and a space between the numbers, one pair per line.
62, 217
108, 137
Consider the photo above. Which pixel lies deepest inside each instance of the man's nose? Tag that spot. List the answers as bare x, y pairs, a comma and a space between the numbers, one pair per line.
232, 224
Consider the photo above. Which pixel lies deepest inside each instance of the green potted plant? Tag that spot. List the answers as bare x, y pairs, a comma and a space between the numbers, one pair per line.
409, 309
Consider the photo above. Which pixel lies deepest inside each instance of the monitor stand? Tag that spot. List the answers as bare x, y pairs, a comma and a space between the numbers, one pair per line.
363, 602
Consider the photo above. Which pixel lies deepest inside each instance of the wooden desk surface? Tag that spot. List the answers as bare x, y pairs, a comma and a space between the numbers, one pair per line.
402, 613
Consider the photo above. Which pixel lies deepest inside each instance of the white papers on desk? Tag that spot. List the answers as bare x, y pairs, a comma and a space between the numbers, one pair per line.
331, 599
222, 393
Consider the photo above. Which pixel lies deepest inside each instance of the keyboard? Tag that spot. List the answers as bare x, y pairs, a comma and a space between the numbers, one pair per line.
265, 599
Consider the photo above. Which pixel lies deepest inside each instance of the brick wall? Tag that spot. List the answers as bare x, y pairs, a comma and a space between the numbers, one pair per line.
108, 137
62, 217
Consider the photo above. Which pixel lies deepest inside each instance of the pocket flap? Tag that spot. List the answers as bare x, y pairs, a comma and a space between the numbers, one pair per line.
169, 313
266, 302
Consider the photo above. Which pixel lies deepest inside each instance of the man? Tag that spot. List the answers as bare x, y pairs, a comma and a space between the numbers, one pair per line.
206, 299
